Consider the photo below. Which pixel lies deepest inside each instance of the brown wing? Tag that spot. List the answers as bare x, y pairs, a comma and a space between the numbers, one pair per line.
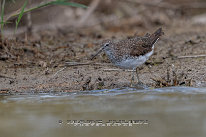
147, 35
141, 47
135, 46
144, 45
155, 36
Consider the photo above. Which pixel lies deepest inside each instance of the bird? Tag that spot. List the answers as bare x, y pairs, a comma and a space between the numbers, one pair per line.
132, 52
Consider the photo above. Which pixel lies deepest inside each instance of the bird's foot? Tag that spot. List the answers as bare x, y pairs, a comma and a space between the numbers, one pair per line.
138, 85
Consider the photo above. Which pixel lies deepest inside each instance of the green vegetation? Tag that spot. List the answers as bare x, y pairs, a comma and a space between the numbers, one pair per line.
21, 14
23, 10
2, 15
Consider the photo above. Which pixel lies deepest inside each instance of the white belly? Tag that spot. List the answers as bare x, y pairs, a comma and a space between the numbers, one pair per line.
132, 63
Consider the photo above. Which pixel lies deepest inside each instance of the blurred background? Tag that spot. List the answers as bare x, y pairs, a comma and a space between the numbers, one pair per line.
118, 15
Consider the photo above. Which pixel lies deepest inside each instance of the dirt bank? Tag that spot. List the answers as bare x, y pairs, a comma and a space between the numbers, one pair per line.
34, 66
58, 59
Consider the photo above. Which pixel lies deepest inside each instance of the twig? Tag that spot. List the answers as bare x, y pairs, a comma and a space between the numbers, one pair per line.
117, 70
1, 76
59, 71
158, 4
29, 22
90, 10
71, 64
191, 56
111, 69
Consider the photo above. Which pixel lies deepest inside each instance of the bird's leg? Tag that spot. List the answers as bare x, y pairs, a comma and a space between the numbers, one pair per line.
132, 79
138, 80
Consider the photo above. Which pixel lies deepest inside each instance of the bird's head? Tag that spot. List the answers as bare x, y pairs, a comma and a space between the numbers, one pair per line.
104, 46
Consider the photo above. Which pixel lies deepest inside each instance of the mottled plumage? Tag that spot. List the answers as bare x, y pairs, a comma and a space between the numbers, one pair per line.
133, 52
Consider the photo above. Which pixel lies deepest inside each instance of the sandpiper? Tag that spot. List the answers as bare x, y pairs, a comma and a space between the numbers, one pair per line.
131, 53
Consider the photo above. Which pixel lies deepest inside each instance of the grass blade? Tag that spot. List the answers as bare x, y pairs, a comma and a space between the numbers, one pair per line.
59, 2
69, 4
2, 16
56, 2
23, 10
21, 14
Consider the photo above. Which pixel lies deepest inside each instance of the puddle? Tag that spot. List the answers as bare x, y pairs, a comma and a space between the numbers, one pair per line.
174, 111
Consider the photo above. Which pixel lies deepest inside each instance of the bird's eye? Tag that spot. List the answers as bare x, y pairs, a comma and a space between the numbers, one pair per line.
106, 44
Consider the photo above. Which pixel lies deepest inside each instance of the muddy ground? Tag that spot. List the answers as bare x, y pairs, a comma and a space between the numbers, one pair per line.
53, 60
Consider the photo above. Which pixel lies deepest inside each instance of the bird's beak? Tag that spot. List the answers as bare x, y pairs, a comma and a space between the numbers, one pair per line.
100, 50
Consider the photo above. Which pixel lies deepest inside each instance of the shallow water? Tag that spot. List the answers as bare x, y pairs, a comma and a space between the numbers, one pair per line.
165, 112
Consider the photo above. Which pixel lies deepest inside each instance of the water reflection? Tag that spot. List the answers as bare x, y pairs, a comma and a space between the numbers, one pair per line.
175, 111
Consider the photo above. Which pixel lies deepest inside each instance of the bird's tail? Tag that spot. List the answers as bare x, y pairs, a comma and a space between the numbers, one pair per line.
155, 36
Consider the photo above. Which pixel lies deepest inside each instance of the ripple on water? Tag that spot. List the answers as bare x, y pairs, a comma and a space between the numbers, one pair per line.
158, 93
178, 110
